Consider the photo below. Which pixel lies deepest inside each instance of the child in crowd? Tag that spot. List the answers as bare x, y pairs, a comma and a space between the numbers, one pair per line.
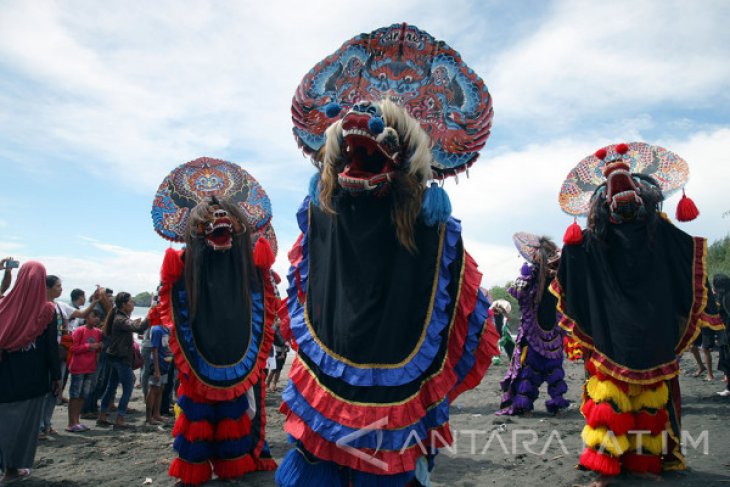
87, 342
159, 366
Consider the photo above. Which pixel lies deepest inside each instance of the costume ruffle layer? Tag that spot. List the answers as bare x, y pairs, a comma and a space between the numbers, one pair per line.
453, 357
630, 427
698, 319
528, 370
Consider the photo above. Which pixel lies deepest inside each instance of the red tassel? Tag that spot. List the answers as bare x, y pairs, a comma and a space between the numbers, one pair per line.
234, 468
574, 234
233, 429
190, 473
686, 209
656, 423
602, 414
622, 149
600, 462
263, 256
172, 265
642, 463
601, 154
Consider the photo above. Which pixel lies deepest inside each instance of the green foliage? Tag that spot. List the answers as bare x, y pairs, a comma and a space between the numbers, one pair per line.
718, 257
143, 299
500, 292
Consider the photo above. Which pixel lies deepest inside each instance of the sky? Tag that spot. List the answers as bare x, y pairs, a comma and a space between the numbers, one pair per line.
99, 101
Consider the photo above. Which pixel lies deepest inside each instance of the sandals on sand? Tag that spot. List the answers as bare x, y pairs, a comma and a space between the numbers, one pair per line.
20, 474
104, 422
77, 428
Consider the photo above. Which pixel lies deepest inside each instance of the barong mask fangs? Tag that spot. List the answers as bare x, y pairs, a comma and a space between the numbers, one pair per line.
372, 149
215, 225
623, 191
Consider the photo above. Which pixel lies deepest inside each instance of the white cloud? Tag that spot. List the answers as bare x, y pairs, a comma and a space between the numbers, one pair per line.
588, 58
117, 267
498, 264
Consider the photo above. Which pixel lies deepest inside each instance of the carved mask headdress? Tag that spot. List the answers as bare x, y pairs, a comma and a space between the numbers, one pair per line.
389, 104
624, 178
204, 198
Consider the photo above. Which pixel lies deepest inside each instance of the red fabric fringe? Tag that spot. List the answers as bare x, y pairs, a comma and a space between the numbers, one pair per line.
486, 349
602, 414
600, 462
192, 430
433, 390
190, 473
397, 461
265, 464
573, 235
686, 209
656, 423
233, 429
642, 463
665, 371
235, 467
263, 256
172, 269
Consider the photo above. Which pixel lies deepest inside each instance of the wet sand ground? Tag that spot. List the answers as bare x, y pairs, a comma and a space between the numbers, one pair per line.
108, 458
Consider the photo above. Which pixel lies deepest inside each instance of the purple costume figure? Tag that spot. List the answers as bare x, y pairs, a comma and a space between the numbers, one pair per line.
538, 354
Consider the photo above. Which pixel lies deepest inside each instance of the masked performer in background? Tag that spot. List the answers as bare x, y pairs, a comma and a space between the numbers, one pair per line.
633, 292
384, 301
217, 294
538, 357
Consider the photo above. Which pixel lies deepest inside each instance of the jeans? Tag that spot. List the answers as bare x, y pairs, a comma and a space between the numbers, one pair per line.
120, 372
49, 404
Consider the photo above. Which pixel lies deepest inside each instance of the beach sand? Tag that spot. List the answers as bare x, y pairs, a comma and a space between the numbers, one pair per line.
105, 457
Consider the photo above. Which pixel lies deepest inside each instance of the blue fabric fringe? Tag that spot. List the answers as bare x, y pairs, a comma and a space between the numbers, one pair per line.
296, 471
250, 358
192, 451
234, 448
195, 411
231, 409
358, 376
376, 440
364, 479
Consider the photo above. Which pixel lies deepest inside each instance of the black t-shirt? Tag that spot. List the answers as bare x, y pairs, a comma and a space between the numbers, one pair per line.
28, 373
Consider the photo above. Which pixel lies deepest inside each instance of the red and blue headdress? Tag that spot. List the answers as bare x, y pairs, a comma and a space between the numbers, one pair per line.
409, 66
190, 183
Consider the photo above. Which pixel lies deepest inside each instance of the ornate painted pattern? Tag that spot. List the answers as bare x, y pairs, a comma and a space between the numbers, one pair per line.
666, 167
527, 245
190, 183
418, 72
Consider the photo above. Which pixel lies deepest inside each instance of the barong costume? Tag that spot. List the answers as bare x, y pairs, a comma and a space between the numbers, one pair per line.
387, 316
633, 293
538, 355
218, 297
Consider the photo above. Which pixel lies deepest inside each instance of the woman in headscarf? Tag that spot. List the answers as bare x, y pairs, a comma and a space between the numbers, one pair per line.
29, 367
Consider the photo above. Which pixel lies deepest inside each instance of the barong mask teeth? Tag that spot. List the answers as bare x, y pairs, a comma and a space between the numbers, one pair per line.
217, 227
623, 193
372, 151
